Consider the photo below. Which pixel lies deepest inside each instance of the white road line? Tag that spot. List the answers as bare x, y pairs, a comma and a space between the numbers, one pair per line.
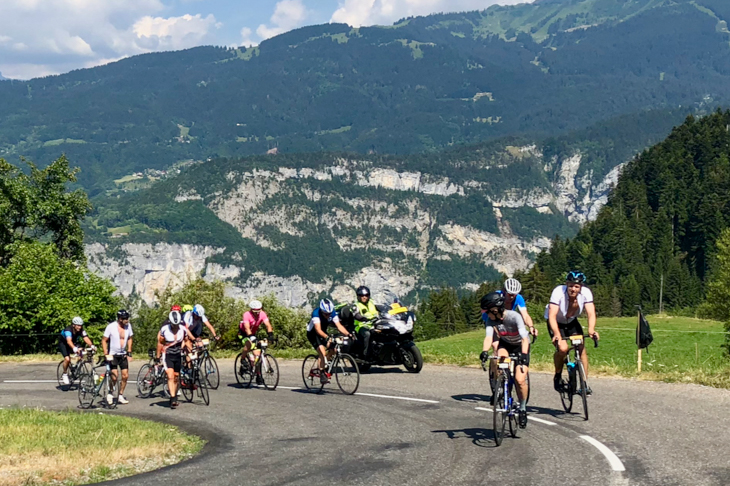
30, 381
397, 398
613, 460
482, 408
546, 422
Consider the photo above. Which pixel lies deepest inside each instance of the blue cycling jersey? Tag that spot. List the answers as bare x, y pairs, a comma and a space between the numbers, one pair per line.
517, 305
323, 324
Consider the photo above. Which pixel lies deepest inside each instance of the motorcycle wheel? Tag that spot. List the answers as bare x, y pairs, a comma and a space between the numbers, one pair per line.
411, 358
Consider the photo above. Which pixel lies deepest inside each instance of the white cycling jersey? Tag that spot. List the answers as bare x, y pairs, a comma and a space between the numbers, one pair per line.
559, 297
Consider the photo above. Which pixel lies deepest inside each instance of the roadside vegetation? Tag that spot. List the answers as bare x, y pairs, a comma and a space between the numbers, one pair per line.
39, 447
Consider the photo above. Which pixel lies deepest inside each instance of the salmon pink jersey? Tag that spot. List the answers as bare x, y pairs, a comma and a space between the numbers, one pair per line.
252, 321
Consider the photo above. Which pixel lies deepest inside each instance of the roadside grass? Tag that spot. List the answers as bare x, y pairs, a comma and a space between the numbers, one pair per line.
41, 447
684, 350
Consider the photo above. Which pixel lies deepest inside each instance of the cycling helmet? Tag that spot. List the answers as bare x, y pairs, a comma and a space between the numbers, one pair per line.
492, 300
175, 318
326, 306
77, 321
362, 290
187, 308
577, 277
175, 308
199, 310
123, 314
255, 305
512, 286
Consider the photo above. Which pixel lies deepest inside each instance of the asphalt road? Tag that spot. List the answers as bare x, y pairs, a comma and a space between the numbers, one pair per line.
652, 433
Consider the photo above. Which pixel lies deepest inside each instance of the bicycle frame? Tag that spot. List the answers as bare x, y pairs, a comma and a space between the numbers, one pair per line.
506, 366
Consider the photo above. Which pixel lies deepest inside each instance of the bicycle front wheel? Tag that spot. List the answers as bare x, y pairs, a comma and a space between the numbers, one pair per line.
59, 376
583, 391
87, 390
203, 389
269, 369
110, 391
212, 375
346, 373
187, 383
310, 373
145, 381
499, 411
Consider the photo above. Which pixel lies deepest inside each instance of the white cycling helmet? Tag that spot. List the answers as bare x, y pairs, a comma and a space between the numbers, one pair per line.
326, 306
199, 310
77, 321
255, 305
175, 318
512, 286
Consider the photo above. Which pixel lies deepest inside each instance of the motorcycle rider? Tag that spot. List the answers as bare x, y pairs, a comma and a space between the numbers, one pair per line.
368, 311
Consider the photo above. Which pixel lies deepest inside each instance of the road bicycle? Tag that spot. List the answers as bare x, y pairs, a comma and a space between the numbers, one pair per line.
98, 383
342, 366
192, 377
265, 368
209, 365
75, 370
493, 378
150, 376
505, 405
576, 375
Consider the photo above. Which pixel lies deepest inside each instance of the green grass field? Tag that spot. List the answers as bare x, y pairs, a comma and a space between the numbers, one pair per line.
39, 447
684, 349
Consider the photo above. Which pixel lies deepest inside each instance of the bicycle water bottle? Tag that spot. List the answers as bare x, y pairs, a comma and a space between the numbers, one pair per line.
98, 378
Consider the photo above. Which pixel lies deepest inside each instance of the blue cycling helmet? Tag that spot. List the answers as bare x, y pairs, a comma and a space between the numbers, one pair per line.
326, 306
577, 277
199, 310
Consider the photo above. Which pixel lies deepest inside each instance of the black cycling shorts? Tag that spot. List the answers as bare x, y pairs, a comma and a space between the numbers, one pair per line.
573, 328
315, 339
173, 361
515, 349
120, 362
63, 347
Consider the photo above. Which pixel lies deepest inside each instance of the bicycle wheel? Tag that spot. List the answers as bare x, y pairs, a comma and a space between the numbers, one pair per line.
513, 411
107, 389
87, 390
269, 369
212, 375
346, 373
59, 377
529, 388
243, 370
566, 394
583, 392
145, 381
203, 388
499, 415
310, 373
187, 383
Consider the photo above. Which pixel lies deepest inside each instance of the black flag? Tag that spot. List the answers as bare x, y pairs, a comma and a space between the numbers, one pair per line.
643, 333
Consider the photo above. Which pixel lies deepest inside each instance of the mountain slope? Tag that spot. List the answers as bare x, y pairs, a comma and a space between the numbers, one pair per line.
539, 69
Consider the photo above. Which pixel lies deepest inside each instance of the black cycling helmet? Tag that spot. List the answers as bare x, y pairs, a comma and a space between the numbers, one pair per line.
492, 300
122, 314
362, 290
577, 277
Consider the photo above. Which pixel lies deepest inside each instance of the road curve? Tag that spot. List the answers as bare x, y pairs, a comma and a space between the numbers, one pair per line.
639, 433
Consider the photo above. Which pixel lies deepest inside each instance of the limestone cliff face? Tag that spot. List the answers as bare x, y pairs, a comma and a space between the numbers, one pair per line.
295, 200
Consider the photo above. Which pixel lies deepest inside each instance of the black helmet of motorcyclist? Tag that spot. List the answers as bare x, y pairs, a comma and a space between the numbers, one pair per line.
361, 292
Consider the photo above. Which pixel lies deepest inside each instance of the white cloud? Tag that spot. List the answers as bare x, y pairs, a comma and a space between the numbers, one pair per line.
288, 15
371, 12
42, 37
246, 39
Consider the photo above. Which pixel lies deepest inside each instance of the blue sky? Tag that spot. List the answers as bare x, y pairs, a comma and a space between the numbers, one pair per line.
44, 37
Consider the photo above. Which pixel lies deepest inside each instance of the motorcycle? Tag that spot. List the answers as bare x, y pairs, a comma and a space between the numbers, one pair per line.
391, 340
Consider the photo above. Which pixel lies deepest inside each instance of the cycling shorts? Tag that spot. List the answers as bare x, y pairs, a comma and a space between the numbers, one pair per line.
173, 361
63, 347
120, 361
315, 339
514, 349
573, 328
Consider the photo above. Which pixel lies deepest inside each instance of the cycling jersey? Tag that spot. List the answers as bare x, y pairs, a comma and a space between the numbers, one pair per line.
70, 332
253, 321
173, 340
194, 323
559, 297
518, 304
316, 319
511, 329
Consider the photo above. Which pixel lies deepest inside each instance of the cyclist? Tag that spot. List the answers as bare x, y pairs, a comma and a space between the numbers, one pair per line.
249, 326
514, 338
174, 308
321, 319
169, 349
567, 302
369, 311
117, 337
194, 320
67, 343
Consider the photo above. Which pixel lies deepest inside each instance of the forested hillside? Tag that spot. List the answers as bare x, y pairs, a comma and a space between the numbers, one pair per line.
539, 70
661, 223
